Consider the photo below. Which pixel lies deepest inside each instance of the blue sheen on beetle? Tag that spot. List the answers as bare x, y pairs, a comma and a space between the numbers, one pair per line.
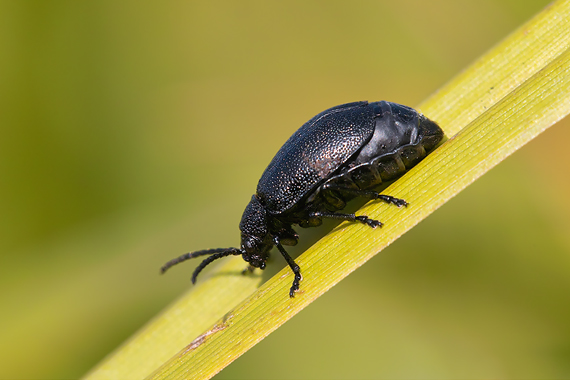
340, 154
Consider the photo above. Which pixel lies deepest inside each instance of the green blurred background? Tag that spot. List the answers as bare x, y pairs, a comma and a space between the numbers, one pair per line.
132, 132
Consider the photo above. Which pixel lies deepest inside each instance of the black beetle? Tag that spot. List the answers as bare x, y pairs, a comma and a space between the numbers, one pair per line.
336, 156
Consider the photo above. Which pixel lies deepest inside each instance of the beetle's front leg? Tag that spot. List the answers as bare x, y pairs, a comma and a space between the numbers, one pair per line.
292, 264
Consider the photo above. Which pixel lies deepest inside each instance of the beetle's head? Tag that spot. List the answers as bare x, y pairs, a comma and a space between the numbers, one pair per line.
256, 241
429, 132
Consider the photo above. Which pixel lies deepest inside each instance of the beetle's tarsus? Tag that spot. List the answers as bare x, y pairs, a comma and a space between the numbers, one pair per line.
293, 289
248, 269
296, 282
393, 200
371, 222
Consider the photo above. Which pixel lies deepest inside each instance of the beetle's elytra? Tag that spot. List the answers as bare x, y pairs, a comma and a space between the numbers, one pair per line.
340, 154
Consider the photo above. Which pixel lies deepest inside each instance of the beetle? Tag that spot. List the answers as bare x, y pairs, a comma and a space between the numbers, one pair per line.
340, 154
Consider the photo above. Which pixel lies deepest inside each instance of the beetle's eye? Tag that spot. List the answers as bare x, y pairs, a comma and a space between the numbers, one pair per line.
251, 244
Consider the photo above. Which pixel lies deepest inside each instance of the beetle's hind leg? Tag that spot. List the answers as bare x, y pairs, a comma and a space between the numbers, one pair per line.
369, 194
350, 217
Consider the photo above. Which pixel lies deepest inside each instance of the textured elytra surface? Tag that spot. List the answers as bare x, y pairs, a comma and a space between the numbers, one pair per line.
313, 153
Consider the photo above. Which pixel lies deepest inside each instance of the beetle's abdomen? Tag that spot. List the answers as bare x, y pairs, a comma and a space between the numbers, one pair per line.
383, 168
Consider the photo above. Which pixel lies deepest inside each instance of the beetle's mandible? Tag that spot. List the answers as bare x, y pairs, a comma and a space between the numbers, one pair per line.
340, 154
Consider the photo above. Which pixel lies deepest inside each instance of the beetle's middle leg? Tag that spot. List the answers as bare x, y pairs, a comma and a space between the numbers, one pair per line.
369, 194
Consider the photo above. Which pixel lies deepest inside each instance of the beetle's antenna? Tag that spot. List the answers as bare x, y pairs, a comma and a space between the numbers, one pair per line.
215, 256
191, 255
